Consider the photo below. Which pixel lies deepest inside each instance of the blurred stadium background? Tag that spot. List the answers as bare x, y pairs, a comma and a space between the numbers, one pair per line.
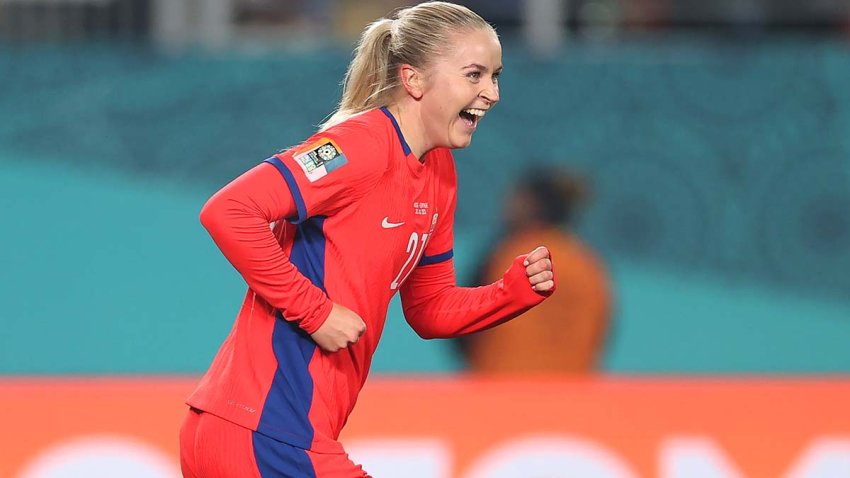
716, 136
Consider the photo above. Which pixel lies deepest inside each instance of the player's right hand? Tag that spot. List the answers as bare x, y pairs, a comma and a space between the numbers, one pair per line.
342, 328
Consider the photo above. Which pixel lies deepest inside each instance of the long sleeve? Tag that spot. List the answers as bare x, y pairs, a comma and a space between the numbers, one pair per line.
435, 307
238, 217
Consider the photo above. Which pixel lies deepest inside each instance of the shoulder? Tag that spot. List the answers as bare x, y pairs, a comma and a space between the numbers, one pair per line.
367, 132
360, 142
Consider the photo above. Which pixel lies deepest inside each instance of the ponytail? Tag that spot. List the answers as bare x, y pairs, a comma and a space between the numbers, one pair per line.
368, 79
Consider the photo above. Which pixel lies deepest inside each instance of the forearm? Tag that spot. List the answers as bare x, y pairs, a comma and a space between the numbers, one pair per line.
436, 308
237, 218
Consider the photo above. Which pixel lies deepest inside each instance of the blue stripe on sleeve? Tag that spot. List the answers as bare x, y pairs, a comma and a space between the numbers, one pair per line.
293, 188
428, 260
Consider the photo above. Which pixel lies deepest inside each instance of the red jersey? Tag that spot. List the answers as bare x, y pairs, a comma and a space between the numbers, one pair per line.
364, 218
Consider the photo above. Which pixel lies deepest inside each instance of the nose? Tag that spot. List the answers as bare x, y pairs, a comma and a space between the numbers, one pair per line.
490, 93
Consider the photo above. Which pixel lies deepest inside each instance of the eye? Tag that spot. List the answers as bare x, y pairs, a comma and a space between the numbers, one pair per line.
496, 77
474, 75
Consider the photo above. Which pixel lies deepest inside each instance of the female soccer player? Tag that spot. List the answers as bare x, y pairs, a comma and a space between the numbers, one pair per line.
361, 210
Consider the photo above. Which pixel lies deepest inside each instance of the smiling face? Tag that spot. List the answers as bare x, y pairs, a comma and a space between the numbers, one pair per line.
461, 87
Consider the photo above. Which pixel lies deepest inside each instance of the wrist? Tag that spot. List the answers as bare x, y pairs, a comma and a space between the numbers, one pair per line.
317, 317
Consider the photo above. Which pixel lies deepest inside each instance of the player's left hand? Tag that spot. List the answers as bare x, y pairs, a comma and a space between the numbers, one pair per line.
538, 268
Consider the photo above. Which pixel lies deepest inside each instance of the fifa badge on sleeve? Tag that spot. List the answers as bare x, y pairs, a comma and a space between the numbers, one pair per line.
320, 158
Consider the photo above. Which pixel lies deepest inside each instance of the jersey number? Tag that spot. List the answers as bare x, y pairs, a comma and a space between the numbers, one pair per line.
415, 249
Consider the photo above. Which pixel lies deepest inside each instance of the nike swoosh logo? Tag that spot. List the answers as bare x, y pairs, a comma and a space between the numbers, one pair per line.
386, 224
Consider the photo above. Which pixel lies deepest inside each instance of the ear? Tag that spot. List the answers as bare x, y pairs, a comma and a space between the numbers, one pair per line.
412, 80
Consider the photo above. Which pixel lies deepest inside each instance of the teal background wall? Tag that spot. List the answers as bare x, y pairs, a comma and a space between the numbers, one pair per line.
721, 205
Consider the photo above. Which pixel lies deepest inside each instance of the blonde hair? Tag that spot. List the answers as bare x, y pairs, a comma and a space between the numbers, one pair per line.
413, 36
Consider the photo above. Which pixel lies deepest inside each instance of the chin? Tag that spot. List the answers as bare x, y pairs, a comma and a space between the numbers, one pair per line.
460, 143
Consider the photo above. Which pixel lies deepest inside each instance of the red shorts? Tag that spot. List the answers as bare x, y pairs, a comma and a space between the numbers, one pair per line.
211, 447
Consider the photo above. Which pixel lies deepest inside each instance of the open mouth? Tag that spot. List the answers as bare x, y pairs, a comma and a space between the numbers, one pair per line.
471, 116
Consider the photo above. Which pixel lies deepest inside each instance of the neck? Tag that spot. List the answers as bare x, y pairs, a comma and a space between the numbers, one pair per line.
406, 113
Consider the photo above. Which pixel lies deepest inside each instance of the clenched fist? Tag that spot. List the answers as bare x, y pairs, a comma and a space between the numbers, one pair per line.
538, 268
342, 328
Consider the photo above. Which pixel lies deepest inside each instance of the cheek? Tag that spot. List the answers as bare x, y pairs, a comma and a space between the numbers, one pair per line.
447, 102
438, 107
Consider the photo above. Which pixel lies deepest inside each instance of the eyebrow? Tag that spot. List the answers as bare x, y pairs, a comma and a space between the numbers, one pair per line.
481, 67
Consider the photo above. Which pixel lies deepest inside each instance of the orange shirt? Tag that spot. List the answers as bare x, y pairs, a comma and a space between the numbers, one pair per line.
563, 334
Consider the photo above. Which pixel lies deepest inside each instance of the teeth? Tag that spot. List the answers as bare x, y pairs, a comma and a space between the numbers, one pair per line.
475, 111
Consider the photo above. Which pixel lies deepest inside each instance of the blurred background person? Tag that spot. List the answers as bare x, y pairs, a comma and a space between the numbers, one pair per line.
565, 334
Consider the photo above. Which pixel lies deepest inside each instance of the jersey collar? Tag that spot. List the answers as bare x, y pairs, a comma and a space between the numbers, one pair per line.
404, 145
